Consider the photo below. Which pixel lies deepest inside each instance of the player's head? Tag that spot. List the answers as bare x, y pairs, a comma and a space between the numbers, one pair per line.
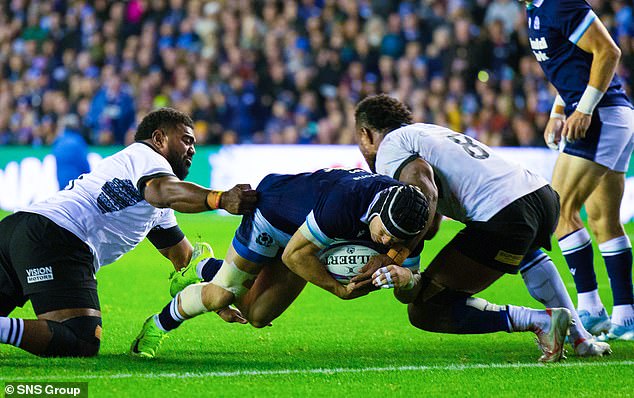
397, 214
171, 133
375, 117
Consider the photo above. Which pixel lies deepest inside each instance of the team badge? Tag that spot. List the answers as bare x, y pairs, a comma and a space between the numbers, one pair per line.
264, 239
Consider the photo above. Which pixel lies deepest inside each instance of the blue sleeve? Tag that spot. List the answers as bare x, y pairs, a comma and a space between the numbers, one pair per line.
574, 17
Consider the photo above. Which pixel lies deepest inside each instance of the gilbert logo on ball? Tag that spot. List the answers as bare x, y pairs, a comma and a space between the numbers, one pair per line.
344, 260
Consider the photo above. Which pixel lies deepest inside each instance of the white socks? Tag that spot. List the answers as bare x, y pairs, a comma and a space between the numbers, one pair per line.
590, 301
11, 330
525, 319
623, 315
545, 285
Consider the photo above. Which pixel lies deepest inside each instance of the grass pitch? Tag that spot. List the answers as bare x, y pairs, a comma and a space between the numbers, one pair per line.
321, 346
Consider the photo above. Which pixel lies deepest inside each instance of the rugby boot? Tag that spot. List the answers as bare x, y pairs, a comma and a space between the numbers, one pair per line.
619, 332
186, 276
149, 339
595, 324
591, 348
551, 342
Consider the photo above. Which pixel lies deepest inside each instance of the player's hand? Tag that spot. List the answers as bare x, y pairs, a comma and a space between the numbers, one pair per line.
231, 315
353, 290
376, 262
552, 132
392, 276
576, 126
240, 199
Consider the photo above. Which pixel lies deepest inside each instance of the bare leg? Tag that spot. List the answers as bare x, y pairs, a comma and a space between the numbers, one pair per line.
275, 288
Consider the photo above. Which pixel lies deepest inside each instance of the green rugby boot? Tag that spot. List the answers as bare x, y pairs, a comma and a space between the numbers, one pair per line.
186, 276
149, 339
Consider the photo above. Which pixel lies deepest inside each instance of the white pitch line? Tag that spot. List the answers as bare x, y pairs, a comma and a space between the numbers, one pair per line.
239, 373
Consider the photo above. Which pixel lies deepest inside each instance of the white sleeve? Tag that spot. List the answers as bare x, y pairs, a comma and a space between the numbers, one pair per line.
166, 220
146, 164
391, 156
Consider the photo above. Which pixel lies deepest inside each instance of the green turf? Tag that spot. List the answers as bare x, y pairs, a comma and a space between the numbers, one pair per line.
321, 346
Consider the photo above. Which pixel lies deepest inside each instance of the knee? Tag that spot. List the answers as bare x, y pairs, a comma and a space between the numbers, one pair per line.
420, 316
596, 224
258, 317
215, 297
604, 228
89, 349
76, 337
259, 323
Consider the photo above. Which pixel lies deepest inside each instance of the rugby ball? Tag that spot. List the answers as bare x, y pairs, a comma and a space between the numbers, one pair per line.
344, 260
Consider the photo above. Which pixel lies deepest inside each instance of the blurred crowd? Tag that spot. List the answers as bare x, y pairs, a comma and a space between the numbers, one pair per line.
275, 71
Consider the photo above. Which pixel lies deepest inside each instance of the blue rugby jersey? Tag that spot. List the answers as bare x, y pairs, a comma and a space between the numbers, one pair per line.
333, 201
554, 28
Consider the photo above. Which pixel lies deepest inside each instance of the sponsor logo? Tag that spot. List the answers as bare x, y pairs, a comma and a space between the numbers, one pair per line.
40, 274
540, 56
538, 44
353, 259
509, 258
264, 239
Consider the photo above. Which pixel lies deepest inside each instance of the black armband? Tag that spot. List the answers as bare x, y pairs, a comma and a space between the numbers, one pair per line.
163, 238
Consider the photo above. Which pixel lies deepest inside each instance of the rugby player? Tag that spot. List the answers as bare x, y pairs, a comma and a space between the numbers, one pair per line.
592, 125
275, 251
509, 212
50, 251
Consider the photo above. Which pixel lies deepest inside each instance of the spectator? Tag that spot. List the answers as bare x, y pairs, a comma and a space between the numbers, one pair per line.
229, 63
70, 151
111, 112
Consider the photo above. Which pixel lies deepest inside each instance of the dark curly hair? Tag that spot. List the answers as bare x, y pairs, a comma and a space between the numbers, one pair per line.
382, 113
163, 118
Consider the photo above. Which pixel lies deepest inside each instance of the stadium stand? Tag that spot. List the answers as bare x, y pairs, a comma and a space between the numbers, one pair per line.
273, 71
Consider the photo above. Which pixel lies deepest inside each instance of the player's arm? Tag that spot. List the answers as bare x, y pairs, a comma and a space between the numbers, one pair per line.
555, 125
179, 254
605, 57
419, 173
186, 197
171, 243
300, 256
433, 227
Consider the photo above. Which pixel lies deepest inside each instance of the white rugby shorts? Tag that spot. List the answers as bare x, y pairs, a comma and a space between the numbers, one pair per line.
609, 140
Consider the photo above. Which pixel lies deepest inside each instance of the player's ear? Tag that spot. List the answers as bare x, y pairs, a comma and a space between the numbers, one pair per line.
159, 138
366, 135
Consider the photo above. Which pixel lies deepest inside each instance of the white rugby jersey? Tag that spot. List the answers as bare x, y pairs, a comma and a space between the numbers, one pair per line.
474, 182
105, 208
